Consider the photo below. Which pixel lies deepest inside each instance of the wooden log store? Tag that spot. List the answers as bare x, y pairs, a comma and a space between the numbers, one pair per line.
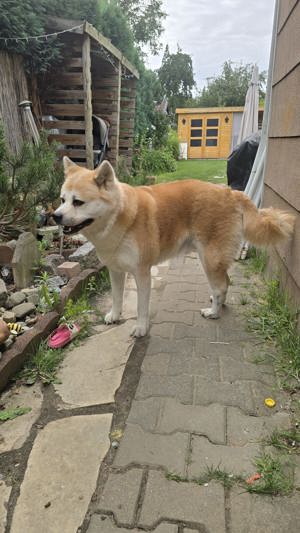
94, 79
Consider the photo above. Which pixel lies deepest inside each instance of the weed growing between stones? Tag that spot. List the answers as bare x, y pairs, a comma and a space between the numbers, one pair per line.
274, 480
217, 474
257, 260
286, 440
275, 321
43, 365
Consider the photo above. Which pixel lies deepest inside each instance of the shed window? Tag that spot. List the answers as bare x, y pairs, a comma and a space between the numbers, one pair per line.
211, 142
196, 142
212, 122
196, 123
211, 133
196, 133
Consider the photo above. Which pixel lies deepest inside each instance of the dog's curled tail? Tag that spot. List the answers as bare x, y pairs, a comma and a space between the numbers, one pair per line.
263, 227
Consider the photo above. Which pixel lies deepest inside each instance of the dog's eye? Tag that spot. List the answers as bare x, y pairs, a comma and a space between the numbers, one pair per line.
62, 200
77, 203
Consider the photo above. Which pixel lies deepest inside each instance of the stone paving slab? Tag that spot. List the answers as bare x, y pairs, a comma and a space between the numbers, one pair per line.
91, 373
232, 370
61, 474
183, 501
180, 387
145, 413
242, 428
120, 495
103, 524
4, 497
140, 447
206, 420
158, 364
13, 433
158, 345
263, 514
234, 460
237, 394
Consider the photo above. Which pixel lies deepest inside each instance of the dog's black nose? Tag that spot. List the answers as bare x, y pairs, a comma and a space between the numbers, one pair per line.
57, 218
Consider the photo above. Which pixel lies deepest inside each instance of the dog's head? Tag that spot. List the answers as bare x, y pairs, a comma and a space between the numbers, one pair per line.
86, 195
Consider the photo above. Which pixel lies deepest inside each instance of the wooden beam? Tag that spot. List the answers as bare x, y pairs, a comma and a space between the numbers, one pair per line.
87, 91
63, 124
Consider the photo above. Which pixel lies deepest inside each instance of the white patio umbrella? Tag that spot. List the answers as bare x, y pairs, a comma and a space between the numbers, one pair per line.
249, 122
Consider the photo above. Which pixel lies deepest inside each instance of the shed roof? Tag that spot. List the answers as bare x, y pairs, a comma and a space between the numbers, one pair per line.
195, 110
84, 27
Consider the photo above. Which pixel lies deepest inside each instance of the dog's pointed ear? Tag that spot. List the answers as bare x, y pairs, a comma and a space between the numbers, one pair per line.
105, 174
68, 164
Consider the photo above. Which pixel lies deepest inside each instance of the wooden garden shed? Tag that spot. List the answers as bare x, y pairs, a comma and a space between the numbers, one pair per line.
94, 79
209, 132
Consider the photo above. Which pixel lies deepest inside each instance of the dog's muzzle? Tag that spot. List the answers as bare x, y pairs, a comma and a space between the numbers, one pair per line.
69, 230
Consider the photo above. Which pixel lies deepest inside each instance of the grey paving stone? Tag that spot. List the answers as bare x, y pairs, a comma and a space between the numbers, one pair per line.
140, 447
180, 306
145, 413
158, 345
219, 349
260, 392
232, 370
183, 501
156, 364
233, 459
209, 421
236, 394
228, 334
258, 514
207, 331
180, 387
104, 524
180, 364
174, 316
171, 292
120, 495
242, 428
164, 330
206, 366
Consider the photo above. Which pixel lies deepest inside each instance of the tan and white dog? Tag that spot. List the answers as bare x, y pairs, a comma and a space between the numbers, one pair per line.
133, 228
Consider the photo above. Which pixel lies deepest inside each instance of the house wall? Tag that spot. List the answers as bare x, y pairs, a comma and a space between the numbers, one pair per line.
282, 175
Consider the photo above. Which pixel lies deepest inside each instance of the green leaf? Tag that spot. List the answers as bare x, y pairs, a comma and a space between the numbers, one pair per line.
10, 414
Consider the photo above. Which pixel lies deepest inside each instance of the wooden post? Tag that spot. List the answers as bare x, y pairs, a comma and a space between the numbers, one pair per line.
118, 110
87, 94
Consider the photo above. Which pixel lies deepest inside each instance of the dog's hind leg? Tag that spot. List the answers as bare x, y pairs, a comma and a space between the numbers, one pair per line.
219, 281
117, 287
143, 283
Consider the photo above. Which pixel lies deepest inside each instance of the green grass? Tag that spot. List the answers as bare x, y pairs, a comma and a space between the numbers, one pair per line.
43, 365
274, 320
288, 440
273, 479
204, 170
257, 260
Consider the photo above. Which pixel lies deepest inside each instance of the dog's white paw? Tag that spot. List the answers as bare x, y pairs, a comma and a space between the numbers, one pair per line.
139, 330
208, 313
111, 317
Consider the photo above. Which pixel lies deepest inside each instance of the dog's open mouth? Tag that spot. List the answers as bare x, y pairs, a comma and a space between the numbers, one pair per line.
69, 230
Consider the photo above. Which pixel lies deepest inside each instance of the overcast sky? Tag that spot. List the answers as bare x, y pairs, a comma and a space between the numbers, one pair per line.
212, 31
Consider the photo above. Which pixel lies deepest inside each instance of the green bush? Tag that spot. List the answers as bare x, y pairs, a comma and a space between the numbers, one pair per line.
173, 143
158, 161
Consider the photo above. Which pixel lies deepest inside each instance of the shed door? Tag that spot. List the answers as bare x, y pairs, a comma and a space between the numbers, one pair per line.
204, 137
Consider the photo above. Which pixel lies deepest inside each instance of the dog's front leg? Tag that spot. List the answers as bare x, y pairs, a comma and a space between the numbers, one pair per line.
117, 288
143, 283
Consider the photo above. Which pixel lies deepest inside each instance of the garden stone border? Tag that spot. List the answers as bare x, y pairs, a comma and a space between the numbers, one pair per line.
24, 346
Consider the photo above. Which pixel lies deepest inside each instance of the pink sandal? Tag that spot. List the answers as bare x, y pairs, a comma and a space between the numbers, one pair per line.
63, 335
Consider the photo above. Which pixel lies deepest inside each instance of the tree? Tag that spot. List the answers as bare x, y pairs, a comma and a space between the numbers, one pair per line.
176, 77
228, 89
146, 21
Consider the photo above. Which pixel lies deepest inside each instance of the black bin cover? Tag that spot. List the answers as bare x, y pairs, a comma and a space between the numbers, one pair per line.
240, 162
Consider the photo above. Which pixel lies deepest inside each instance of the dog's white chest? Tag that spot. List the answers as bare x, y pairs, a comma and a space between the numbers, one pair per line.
124, 257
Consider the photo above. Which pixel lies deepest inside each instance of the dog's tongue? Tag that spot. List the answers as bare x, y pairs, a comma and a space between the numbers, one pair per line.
69, 230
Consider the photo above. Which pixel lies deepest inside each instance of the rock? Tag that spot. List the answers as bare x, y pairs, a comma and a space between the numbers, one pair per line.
9, 316
24, 309
48, 230
9, 342
69, 269
25, 258
7, 274
32, 295
3, 292
6, 253
31, 321
86, 256
78, 238
51, 262
4, 331
15, 298
55, 282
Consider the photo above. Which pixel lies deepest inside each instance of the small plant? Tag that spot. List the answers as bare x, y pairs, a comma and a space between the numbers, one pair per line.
288, 440
10, 414
43, 365
49, 298
274, 320
243, 299
273, 479
217, 474
257, 260
171, 476
98, 285
78, 311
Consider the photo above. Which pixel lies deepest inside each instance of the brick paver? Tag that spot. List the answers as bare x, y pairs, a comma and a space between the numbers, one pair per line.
199, 404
